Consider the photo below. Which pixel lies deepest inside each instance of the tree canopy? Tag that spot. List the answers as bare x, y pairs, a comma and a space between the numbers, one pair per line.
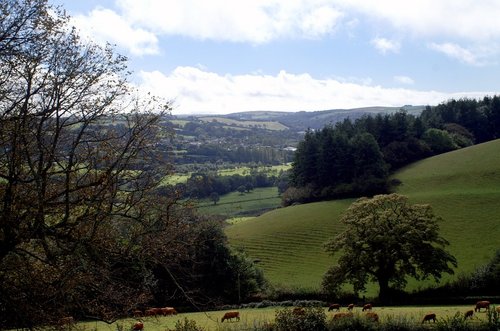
386, 240
83, 230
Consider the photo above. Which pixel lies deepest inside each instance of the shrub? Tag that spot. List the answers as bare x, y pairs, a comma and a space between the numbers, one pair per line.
187, 325
309, 319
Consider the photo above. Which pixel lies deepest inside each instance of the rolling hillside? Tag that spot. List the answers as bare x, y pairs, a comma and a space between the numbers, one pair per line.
462, 186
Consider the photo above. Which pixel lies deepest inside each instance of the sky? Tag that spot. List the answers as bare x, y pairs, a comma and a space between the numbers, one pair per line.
226, 56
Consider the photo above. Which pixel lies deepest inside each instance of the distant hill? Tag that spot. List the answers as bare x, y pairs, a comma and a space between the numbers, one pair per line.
301, 120
318, 119
463, 187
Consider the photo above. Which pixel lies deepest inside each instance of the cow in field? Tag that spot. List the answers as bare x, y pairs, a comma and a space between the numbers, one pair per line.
372, 316
137, 313
350, 307
152, 312
230, 315
482, 304
468, 314
138, 326
166, 311
429, 317
368, 306
334, 306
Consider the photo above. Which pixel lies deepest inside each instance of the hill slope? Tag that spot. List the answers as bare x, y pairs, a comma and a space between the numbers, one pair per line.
462, 186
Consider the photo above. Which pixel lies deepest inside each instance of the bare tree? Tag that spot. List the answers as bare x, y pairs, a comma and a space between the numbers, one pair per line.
78, 168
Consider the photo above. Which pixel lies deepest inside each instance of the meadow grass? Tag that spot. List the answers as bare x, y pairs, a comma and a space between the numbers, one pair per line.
463, 187
254, 317
269, 125
236, 203
242, 171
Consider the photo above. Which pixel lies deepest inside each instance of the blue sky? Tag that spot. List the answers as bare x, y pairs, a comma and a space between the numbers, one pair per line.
224, 56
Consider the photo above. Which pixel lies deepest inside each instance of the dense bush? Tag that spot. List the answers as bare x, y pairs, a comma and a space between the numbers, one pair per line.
300, 319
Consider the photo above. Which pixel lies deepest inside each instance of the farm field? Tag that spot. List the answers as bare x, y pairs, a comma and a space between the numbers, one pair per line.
463, 188
235, 203
258, 316
269, 125
243, 171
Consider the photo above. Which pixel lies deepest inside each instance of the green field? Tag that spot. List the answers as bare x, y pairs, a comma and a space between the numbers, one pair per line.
243, 171
462, 186
269, 125
235, 203
258, 316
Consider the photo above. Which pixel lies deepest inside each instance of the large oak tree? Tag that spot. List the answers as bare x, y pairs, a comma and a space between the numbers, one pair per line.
387, 239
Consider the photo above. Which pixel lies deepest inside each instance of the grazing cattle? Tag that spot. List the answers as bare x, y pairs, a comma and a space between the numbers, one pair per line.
152, 312
350, 306
368, 306
137, 313
469, 313
230, 315
333, 306
429, 317
138, 326
166, 311
482, 304
338, 316
299, 311
372, 316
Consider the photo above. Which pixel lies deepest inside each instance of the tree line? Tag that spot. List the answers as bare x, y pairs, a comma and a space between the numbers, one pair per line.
355, 158
202, 185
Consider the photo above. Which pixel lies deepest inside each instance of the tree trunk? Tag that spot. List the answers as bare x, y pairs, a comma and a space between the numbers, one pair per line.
384, 293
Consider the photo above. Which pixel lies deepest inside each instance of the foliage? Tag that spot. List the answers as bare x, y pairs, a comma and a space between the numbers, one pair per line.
337, 164
83, 229
387, 239
303, 319
214, 196
186, 325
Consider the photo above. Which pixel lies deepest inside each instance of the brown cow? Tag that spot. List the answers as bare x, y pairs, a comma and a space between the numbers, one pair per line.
429, 317
137, 313
350, 306
333, 306
469, 313
482, 304
338, 316
166, 311
152, 312
368, 306
372, 316
138, 326
230, 315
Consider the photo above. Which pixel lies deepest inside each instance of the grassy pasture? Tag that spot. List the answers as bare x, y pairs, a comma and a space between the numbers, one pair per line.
269, 125
243, 171
462, 186
258, 316
235, 203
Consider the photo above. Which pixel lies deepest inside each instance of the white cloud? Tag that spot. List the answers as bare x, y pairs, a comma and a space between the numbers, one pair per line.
254, 21
384, 45
470, 19
199, 91
457, 52
404, 80
104, 25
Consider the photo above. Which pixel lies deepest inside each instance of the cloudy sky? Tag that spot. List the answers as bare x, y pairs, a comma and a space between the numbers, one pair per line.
223, 56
